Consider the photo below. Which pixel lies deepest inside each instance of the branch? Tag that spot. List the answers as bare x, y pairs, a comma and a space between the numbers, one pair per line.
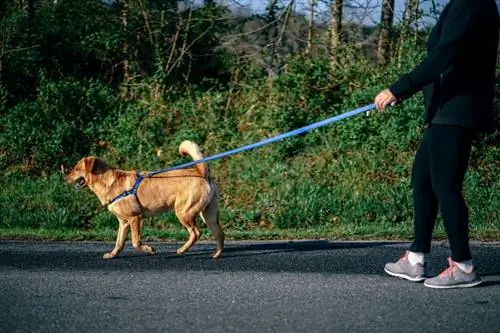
20, 49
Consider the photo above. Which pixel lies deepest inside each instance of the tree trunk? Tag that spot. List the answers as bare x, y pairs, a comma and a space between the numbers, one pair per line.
410, 16
272, 35
336, 30
414, 16
311, 28
125, 49
2, 48
385, 33
31, 9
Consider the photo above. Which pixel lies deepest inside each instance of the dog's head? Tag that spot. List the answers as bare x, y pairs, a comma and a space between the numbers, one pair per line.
85, 171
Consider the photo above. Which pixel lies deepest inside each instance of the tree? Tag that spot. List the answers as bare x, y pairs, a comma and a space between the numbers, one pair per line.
410, 16
385, 33
311, 27
127, 76
272, 33
336, 30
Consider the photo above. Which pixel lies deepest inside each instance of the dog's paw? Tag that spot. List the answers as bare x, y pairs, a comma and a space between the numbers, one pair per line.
108, 255
217, 254
180, 251
149, 249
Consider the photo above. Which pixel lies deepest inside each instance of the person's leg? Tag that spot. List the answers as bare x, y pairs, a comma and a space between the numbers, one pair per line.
425, 203
411, 266
450, 152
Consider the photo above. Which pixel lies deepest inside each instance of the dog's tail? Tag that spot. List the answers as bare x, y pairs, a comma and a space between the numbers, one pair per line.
193, 150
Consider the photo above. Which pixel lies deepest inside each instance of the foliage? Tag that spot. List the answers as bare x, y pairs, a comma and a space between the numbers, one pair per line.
65, 92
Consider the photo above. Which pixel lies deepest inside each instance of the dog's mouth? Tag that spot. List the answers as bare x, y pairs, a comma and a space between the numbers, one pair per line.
80, 183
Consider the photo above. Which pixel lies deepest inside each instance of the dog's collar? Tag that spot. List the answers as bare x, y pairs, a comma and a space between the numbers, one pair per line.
132, 191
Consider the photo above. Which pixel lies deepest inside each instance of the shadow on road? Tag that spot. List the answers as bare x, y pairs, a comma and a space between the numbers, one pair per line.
489, 283
306, 245
314, 256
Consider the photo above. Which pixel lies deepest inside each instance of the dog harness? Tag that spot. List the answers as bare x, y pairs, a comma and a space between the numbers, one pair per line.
132, 191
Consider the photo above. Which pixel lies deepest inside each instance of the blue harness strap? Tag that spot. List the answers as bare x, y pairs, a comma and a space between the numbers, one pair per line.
132, 191
140, 177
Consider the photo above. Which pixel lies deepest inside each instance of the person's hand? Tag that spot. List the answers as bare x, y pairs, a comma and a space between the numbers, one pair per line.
384, 99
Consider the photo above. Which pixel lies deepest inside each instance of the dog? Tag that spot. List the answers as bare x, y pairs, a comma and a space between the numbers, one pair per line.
188, 192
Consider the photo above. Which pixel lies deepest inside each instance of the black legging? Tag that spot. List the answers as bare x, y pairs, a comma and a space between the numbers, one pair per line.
437, 179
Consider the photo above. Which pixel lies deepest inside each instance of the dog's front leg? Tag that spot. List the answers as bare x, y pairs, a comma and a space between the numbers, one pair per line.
120, 239
135, 225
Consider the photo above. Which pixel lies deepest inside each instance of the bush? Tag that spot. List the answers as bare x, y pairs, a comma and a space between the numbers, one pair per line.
56, 128
351, 173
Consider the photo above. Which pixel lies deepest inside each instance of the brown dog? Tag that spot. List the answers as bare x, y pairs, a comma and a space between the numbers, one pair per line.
188, 192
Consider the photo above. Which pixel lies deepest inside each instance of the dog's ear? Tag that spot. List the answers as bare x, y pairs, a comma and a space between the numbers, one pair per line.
95, 165
89, 163
99, 166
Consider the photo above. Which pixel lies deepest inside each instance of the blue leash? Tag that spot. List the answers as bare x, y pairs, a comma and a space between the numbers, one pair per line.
264, 142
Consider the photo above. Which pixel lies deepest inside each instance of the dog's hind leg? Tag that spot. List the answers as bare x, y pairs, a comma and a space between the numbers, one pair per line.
210, 216
135, 225
189, 222
120, 239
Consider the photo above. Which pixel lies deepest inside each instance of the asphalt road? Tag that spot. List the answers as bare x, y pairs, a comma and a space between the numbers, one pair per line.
300, 286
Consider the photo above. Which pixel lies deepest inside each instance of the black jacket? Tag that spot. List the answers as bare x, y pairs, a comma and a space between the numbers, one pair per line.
458, 74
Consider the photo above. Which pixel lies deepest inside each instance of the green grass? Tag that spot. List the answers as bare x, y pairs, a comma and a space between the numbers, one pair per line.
346, 232
349, 180
320, 193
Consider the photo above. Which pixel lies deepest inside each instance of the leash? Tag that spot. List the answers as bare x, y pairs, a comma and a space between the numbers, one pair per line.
264, 142
140, 177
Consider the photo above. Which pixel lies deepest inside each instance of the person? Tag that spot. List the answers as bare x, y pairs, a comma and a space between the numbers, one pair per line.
457, 77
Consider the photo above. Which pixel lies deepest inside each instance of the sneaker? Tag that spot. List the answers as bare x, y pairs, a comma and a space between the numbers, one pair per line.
405, 270
453, 277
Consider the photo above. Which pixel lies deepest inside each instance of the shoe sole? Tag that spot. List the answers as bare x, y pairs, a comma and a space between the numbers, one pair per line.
404, 276
452, 286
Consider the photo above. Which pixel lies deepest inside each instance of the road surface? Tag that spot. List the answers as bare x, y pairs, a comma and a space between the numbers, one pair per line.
299, 286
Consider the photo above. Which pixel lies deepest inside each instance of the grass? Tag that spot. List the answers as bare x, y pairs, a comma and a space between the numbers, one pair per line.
317, 194
345, 232
349, 181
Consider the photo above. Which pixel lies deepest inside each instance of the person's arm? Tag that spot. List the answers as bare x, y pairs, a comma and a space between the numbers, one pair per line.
460, 18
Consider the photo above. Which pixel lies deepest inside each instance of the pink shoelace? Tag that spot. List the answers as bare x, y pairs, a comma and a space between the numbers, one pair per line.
448, 271
404, 256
